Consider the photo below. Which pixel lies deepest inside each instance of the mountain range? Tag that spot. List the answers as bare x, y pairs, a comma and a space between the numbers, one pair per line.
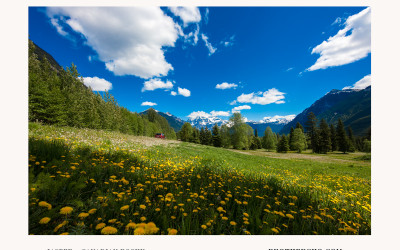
352, 106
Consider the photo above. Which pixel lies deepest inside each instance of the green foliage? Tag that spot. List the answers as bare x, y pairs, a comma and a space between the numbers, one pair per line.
333, 138
325, 137
312, 132
216, 136
225, 136
341, 137
269, 139
59, 97
283, 145
298, 142
186, 132
241, 132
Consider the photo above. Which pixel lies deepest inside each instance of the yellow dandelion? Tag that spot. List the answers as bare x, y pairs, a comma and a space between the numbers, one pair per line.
142, 207
92, 211
157, 209
290, 216
142, 218
66, 210
124, 207
220, 209
66, 233
172, 231
246, 214
139, 231
232, 223
109, 230
44, 220
224, 218
100, 226
45, 204
83, 215
112, 221
275, 230
204, 226
130, 225
151, 228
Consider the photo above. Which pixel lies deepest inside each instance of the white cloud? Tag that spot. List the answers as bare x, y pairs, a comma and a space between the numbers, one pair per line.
237, 109
184, 92
188, 14
148, 104
289, 69
220, 113
156, 83
97, 84
350, 44
361, 84
233, 102
173, 93
229, 42
226, 85
270, 96
211, 49
129, 41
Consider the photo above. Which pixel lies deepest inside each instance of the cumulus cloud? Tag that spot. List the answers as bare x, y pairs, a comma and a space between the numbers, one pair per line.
350, 44
156, 83
184, 92
220, 113
148, 104
129, 41
226, 85
237, 109
361, 84
188, 14
270, 96
97, 84
211, 49
173, 93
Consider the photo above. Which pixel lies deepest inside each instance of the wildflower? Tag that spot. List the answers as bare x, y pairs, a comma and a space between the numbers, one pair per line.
124, 207
142, 218
151, 228
109, 230
130, 225
112, 221
45, 204
44, 220
157, 210
246, 214
220, 209
60, 225
92, 211
316, 217
66, 210
204, 226
290, 216
172, 231
65, 233
83, 215
232, 223
139, 231
247, 232
224, 218
142, 207
275, 230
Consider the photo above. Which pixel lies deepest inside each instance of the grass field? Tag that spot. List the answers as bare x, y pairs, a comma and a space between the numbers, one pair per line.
95, 182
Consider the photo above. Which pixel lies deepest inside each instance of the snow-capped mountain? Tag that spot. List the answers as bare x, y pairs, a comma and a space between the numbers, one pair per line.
204, 120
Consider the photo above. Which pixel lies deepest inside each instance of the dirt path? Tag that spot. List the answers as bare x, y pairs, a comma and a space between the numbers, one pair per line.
320, 158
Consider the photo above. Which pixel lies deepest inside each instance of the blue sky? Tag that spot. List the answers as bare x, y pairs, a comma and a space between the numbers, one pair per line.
260, 61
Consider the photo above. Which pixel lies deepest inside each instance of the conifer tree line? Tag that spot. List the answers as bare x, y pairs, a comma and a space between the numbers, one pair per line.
59, 97
320, 137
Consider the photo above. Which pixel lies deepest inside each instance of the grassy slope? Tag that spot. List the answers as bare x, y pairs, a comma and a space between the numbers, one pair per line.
326, 185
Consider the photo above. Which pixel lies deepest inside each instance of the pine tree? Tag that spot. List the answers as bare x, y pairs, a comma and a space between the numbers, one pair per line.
208, 134
291, 137
312, 132
341, 137
269, 139
186, 132
351, 142
216, 137
195, 136
256, 133
299, 142
298, 125
283, 145
325, 137
203, 139
333, 138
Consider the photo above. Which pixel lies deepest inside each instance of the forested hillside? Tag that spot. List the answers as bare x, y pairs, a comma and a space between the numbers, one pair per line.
59, 97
